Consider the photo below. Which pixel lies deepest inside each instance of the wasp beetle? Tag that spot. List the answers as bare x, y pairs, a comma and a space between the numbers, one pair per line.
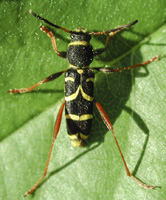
79, 84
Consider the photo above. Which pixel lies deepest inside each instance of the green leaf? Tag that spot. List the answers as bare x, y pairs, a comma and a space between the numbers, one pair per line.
134, 100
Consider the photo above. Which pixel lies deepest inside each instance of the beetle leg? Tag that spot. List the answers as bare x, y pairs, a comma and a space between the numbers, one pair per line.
56, 130
109, 69
119, 28
111, 34
101, 50
50, 34
110, 127
49, 78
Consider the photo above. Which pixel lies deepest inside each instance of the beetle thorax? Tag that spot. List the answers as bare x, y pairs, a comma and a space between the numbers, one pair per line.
80, 53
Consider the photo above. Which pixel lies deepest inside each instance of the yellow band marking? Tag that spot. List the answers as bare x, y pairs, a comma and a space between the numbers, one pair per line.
90, 79
85, 96
74, 95
76, 141
80, 71
75, 43
84, 137
69, 79
76, 67
79, 118
73, 137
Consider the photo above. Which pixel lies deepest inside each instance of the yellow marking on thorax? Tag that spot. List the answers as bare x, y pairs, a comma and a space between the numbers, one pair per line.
74, 95
69, 79
90, 79
79, 118
76, 43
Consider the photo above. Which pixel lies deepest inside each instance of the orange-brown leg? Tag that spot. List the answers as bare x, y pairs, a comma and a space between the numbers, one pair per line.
49, 78
50, 34
99, 51
111, 34
56, 130
109, 69
110, 127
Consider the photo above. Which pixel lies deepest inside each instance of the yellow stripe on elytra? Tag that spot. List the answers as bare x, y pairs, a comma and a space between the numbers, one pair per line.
76, 43
90, 79
76, 139
69, 79
85, 96
73, 137
76, 67
84, 137
79, 118
80, 71
74, 95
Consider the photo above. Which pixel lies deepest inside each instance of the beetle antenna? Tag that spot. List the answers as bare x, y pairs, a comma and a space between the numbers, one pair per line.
114, 30
50, 23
